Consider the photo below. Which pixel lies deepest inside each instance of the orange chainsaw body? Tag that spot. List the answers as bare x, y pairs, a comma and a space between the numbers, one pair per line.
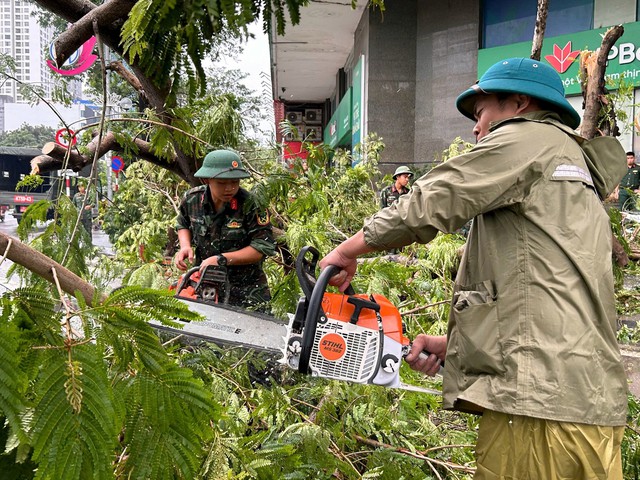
335, 306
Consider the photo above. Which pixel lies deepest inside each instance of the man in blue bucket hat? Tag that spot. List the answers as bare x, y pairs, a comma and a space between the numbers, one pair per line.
531, 341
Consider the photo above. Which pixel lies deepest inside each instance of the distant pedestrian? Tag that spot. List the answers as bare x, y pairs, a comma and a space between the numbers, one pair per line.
86, 217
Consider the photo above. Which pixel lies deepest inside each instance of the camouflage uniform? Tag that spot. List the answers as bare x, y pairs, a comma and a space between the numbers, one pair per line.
629, 183
85, 217
390, 195
239, 225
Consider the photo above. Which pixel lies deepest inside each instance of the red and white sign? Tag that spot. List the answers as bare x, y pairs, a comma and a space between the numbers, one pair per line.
19, 198
64, 136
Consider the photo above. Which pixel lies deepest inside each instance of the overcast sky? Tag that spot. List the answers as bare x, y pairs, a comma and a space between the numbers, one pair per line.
255, 61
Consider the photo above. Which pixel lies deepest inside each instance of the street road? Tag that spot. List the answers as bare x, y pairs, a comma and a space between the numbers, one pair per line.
8, 227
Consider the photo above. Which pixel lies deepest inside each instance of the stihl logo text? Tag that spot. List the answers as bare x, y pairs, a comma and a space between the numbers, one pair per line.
332, 346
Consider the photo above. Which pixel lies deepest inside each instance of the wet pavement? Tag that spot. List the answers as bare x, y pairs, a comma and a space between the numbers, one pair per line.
9, 226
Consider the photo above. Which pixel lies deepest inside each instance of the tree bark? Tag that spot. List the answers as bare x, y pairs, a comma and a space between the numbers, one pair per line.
110, 16
593, 67
541, 26
54, 156
116, 13
41, 265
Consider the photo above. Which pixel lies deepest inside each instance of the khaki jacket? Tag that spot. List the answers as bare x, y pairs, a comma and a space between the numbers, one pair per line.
532, 324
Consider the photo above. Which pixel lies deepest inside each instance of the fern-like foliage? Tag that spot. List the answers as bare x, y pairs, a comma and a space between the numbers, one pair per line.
81, 386
73, 436
165, 430
62, 239
13, 382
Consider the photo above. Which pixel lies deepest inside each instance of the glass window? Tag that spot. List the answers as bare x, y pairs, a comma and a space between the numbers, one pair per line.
512, 21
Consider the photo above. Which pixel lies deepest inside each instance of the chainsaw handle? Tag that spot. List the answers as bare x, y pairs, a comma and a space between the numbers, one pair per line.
306, 269
313, 313
185, 279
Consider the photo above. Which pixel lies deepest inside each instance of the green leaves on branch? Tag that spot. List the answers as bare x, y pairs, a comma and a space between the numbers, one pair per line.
169, 41
92, 392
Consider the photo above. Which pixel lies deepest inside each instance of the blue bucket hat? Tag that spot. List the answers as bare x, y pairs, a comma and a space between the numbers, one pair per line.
222, 164
524, 76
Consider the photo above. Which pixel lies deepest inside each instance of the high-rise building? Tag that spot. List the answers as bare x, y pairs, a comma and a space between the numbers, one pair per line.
28, 43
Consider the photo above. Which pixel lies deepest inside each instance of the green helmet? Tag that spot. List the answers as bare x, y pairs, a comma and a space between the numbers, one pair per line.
222, 164
402, 169
521, 75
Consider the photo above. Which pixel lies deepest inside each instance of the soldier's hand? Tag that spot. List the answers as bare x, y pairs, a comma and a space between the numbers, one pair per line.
208, 261
184, 253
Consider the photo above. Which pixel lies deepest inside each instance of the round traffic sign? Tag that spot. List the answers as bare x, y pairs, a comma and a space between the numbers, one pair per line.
117, 164
64, 136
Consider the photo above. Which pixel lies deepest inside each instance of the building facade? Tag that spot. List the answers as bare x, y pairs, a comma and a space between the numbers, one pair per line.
27, 43
404, 67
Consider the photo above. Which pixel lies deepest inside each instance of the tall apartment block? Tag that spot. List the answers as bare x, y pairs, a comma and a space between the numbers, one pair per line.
27, 42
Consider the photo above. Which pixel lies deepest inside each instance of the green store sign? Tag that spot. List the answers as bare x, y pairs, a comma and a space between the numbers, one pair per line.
338, 130
563, 53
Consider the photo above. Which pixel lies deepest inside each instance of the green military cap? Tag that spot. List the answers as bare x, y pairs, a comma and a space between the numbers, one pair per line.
222, 164
402, 169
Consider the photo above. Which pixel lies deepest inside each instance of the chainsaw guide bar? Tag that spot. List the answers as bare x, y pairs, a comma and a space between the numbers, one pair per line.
350, 337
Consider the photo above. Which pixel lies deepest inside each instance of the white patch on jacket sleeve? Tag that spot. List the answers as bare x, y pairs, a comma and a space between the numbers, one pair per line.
572, 172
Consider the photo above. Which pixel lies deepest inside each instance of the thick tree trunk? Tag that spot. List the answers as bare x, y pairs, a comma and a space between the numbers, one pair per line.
592, 67
41, 265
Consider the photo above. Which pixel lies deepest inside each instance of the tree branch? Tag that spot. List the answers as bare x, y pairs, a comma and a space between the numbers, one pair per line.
131, 79
404, 451
592, 68
541, 26
43, 266
54, 155
74, 11
113, 11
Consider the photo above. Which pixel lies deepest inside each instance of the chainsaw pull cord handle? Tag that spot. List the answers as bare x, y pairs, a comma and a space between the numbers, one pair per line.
359, 304
314, 311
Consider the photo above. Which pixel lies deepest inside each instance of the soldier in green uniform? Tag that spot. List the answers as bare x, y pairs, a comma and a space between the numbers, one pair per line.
79, 202
219, 224
389, 195
629, 184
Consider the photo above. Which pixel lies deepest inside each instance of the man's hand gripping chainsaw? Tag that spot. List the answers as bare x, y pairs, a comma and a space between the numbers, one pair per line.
352, 337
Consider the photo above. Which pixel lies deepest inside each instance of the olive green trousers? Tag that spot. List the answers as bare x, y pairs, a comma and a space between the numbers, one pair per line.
512, 447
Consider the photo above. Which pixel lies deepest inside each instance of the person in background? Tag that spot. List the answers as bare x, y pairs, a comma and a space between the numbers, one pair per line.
390, 194
629, 185
531, 341
219, 224
86, 217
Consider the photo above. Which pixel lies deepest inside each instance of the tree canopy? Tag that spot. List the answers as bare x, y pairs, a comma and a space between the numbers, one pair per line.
160, 48
27, 136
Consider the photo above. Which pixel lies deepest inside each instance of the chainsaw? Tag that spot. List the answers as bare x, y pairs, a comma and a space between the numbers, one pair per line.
350, 337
